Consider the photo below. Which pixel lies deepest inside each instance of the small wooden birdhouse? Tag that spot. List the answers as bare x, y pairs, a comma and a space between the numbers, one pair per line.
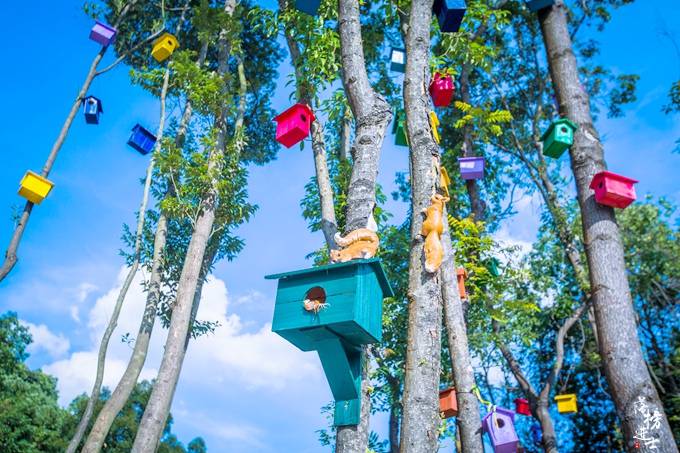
537, 5
448, 405
461, 275
102, 33
449, 14
293, 125
310, 7
492, 266
613, 190
522, 406
471, 167
34, 187
141, 139
399, 129
566, 404
441, 89
397, 59
558, 138
536, 434
500, 426
92, 108
434, 125
164, 46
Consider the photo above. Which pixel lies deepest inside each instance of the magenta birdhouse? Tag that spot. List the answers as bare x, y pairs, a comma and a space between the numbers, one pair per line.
522, 406
292, 126
471, 167
102, 33
613, 190
500, 426
441, 90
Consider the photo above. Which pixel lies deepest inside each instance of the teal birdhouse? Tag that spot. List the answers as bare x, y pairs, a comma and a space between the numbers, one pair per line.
399, 129
558, 138
334, 310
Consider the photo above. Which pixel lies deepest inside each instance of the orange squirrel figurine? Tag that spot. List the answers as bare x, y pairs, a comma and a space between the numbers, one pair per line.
432, 229
358, 244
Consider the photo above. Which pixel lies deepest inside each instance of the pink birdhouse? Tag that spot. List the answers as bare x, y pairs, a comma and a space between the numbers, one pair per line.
292, 126
522, 406
613, 190
441, 89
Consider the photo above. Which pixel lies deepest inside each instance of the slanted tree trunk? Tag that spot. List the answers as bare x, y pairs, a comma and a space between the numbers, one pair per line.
420, 421
627, 375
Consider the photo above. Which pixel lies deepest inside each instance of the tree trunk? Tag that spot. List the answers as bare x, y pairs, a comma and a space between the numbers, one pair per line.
477, 207
420, 421
394, 428
631, 386
548, 435
354, 438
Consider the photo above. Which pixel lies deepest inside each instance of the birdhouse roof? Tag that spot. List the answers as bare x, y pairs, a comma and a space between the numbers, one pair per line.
139, 127
373, 262
566, 396
609, 175
561, 121
470, 159
100, 106
107, 26
295, 110
167, 35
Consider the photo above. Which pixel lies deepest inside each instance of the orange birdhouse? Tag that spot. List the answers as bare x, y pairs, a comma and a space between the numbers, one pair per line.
461, 274
448, 405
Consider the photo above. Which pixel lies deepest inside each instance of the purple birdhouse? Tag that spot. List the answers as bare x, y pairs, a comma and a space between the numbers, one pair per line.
102, 33
500, 425
471, 167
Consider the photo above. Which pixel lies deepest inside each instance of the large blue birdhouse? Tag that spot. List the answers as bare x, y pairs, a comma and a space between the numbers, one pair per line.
449, 14
92, 108
537, 5
310, 7
141, 139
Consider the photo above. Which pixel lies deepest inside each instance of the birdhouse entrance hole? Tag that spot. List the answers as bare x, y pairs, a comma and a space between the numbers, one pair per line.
564, 130
315, 299
303, 118
500, 423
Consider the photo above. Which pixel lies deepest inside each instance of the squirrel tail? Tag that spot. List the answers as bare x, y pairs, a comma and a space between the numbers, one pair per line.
356, 235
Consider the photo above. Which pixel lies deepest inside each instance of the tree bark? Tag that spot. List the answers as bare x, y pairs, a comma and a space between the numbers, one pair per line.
625, 368
420, 422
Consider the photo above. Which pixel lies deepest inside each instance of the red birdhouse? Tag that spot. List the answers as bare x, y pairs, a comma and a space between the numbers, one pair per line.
447, 402
461, 274
522, 406
613, 190
292, 126
441, 90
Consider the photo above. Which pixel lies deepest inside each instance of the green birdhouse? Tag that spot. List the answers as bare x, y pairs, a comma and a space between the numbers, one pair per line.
492, 266
334, 310
558, 138
399, 129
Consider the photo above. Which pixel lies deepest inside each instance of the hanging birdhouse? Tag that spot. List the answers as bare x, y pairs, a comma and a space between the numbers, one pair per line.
537, 5
141, 139
310, 7
500, 426
536, 434
293, 125
492, 266
558, 138
522, 406
334, 310
449, 14
566, 404
34, 187
461, 275
164, 46
399, 129
434, 125
613, 190
92, 108
471, 167
448, 405
397, 59
102, 33
441, 89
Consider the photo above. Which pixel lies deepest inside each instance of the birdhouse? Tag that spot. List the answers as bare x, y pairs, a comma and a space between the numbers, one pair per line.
102, 33
397, 59
34, 187
558, 138
92, 108
461, 275
449, 14
566, 404
141, 139
536, 434
613, 190
399, 129
310, 7
434, 125
334, 310
500, 425
448, 405
522, 406
164, 46
293, 125
492, 266
471, 167
537, 5
441, 89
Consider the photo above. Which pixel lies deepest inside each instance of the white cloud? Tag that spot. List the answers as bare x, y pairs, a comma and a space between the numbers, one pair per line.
44, 340
84, 290
74, 311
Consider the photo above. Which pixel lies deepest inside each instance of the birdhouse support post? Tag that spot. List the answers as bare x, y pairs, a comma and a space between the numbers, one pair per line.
342, 366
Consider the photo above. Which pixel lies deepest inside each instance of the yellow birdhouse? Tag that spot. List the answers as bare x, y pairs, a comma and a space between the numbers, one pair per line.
434, 124
164, 46
34, 187
566, 404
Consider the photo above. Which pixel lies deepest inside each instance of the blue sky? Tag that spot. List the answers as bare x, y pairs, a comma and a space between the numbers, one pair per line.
242, 389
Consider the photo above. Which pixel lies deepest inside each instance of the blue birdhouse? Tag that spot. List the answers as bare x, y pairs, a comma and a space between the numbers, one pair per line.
449, 14
141, 139
334, 310
92, 108
310, 7
537, 5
